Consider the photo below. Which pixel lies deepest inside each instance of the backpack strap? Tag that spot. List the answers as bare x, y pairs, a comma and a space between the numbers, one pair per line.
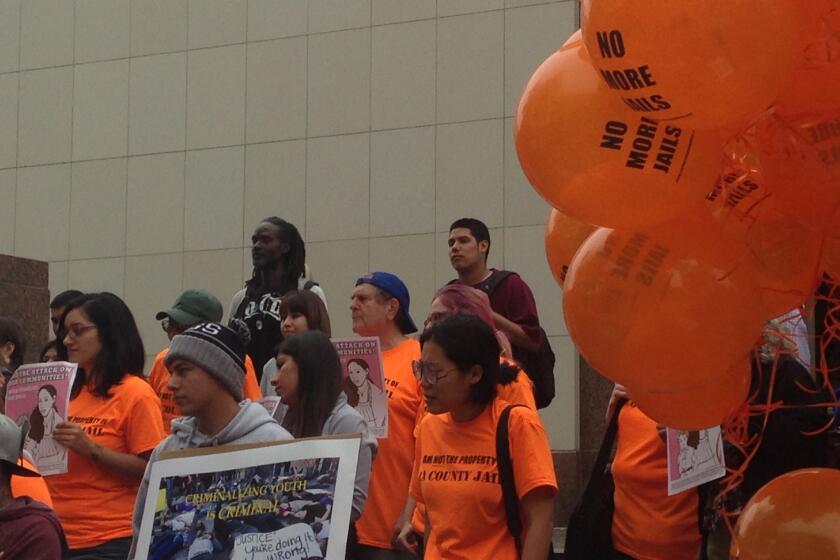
310, 284
505, 466
492, 282
605, 451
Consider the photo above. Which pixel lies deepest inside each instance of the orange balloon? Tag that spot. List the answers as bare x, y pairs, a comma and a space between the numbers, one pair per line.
702, 406
800, 161
830, 260
781, 252
694, 63
657, 316
594, 159
796, 515
563, 237
814, 83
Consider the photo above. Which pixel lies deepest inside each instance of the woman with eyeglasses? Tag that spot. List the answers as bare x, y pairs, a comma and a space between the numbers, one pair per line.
514, 385
455, 475
114, 422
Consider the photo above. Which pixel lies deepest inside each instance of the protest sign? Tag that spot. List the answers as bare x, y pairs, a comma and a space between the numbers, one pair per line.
694, 458
40, 393
276, 501
271, 404
364, 380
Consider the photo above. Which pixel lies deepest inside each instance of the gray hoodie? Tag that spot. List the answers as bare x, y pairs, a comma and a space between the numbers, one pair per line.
252, 424
344, 419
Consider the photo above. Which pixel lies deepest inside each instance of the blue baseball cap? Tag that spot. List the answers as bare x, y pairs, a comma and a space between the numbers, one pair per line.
392, 284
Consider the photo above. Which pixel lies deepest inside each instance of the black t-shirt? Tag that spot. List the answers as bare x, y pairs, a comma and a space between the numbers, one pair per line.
261, 312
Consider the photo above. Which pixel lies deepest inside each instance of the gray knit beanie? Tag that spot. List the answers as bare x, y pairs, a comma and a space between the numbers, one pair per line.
216, 349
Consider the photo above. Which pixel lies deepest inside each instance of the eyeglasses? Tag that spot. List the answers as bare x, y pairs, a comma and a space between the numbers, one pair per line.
75, 331
426, 374
165, 324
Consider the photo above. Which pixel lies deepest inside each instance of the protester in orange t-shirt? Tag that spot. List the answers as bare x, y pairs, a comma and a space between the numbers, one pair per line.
648, 524
113, 424
513, 386
455, 473
192, 307
379, 308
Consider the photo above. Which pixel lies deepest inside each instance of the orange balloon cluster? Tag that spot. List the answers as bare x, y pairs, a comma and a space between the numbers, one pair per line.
693, 166
796, 515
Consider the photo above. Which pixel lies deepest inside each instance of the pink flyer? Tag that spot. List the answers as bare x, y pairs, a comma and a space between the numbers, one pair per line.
40, 393
364, 382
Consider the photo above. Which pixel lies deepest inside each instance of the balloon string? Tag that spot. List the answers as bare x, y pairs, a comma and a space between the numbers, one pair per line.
736, 427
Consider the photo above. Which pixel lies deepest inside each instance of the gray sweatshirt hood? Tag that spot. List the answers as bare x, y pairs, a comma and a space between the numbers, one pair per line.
250, 418
252, 424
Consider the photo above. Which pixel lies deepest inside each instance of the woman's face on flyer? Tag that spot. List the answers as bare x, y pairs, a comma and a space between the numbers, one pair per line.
294, 323
45, 401
356, 373
286, 379
81, 339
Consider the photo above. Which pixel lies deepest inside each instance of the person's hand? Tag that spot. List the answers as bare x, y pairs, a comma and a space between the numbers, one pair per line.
72, 436
405, 538
619, 392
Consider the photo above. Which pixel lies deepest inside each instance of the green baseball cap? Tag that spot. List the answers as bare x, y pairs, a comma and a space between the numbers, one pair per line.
193, 306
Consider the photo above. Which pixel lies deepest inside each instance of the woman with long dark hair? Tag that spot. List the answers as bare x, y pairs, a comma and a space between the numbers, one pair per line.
308, 379
456, 473
114, 422
300, 311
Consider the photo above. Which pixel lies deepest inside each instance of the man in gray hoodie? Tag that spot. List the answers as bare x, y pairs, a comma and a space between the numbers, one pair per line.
207, 366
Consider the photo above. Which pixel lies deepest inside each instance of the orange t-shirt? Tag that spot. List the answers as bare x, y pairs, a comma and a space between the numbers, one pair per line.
648, 524
518, 391
456, 478
32, 486
391, 471
93, 503
159, 380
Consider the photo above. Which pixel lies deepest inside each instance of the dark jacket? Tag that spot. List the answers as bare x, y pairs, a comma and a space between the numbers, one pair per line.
30, 530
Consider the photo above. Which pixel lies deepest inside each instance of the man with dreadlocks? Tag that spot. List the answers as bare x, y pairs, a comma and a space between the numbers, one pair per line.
278, 255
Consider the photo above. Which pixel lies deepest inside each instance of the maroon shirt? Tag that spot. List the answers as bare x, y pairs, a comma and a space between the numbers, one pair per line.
514, 300
29, 530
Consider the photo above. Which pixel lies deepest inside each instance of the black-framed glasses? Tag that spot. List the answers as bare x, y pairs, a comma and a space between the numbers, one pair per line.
426, 374
165, 324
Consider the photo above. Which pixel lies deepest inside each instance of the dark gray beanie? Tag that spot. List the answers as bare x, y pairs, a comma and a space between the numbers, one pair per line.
214, 348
